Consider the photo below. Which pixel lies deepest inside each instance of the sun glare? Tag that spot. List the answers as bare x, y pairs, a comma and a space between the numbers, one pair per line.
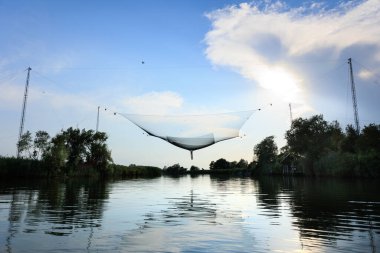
281, 82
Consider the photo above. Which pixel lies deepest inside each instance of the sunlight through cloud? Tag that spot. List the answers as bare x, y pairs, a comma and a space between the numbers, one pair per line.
264, 40
280, 82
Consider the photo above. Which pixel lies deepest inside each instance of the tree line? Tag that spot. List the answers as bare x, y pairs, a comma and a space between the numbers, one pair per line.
316, 147
68, 151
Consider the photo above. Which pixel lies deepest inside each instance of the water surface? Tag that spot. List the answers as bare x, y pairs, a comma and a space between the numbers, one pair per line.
200, 214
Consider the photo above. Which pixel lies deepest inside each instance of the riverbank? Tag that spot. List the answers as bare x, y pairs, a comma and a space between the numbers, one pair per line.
11, 167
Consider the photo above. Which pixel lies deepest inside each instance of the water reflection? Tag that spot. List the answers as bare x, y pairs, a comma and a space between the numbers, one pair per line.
268, 197
189, 223
50, 207
326, 212
179, 210
199, 214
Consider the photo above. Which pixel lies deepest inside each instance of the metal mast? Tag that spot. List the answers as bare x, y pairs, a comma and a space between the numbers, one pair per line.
97, 120
354, 103
23, 110
291, 114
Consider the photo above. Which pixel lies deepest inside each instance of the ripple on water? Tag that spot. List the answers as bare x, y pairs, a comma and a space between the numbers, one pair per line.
191, 215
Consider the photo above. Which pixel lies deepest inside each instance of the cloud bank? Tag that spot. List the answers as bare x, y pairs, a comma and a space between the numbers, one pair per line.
262, 41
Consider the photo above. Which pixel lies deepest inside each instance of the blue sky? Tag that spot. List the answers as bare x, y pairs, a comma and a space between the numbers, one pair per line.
199, 57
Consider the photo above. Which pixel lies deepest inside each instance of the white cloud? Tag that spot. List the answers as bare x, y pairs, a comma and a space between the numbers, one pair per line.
10, 96
57, 62
154, 102
13, 95
365, 74
260, 40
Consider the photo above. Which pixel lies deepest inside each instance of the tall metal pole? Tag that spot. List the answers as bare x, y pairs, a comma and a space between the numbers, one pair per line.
97, 120
291, 114
354, 103
23, 110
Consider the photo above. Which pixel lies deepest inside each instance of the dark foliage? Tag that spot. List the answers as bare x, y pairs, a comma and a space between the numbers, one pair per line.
133, 171
321, 148
175, 170
220, 164
21, 168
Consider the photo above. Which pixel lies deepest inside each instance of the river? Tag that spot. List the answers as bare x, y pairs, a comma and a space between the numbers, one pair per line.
190, 214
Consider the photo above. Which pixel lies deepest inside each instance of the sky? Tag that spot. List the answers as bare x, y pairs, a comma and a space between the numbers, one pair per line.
169, 57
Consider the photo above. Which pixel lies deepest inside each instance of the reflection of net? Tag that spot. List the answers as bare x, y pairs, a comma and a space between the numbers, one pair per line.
192, 132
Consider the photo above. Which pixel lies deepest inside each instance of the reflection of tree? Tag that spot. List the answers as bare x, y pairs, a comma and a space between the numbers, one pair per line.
69, 206
324, 209
221, 182
268, 190
228, 183
76, 202
15, 215
317, 210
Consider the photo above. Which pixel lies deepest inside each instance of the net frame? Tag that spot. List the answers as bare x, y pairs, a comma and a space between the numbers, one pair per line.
191, 132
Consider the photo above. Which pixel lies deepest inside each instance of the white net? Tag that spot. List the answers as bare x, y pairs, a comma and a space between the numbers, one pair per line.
192, 132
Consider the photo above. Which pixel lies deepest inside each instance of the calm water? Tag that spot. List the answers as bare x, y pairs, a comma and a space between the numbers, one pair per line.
201, 214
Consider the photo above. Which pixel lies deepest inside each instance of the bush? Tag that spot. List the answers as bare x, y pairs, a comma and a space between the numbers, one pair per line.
221, 164
18, 167
133, 171
194, 169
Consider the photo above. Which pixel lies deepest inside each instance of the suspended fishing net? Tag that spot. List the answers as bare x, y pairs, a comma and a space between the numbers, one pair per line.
192, 132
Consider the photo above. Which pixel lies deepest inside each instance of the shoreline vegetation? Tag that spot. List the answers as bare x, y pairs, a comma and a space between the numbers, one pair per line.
315, 148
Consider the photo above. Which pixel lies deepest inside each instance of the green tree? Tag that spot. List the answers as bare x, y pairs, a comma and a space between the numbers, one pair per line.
369, 151
56, 154
25, 143
194, 169
211, 166
336, 135
75, 142
370, 138
266, 153
349, 142
74, 148
98, 154
288, 159
175, 170
220, 164
310, 138
41, 142
242, 164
